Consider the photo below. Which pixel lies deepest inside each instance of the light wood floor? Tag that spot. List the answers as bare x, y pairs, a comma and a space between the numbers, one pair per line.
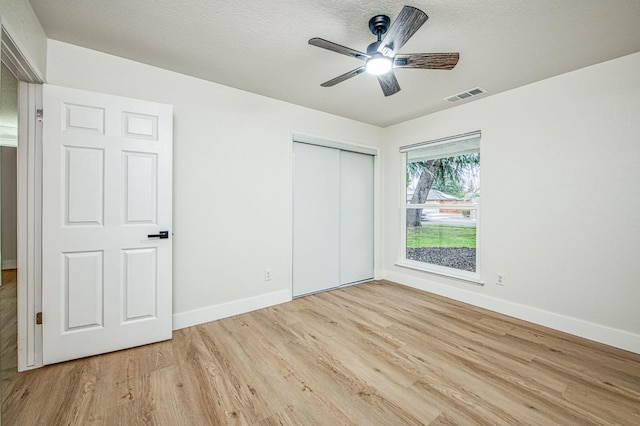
376, 353
8, 331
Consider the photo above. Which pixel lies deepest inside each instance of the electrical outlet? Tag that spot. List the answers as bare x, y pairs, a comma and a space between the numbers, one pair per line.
267, 274
500, 278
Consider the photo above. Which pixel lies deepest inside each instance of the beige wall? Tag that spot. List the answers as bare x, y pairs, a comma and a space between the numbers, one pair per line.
560, 204
8, 202
8, 176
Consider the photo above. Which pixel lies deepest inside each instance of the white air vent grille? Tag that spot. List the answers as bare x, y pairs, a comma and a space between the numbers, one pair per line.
466, 94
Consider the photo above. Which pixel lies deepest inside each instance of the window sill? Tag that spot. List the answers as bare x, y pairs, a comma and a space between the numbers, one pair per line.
470, 277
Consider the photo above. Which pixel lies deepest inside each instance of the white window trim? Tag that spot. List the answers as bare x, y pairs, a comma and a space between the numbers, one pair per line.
469, 206
471, 277
441, 141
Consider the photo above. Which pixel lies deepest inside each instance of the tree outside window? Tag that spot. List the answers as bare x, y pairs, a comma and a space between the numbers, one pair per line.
442, 204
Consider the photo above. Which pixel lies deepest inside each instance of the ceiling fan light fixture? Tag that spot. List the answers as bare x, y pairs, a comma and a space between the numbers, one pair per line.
378, 64
383, 54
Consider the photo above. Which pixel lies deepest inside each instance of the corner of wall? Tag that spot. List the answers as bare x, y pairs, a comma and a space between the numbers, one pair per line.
599, 333
229, 309
21, 24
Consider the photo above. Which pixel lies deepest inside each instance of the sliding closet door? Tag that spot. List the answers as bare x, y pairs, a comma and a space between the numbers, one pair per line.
332, 218
316, 218
356, 217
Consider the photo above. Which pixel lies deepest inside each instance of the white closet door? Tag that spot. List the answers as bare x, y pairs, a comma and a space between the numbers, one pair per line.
356, 217
316, 218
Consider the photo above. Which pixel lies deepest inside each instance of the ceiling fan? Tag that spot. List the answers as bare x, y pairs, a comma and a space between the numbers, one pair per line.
382, 55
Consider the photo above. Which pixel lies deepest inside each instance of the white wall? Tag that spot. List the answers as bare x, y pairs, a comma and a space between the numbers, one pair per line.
560, 202
231, 174
8, 188
21, 23
554, 154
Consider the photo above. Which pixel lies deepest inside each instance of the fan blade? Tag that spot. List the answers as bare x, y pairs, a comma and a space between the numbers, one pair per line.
389, 83
343, 77
334, 47
406, 24
429, 61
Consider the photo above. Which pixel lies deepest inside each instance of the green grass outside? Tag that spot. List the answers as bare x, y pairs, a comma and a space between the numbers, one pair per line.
440, 235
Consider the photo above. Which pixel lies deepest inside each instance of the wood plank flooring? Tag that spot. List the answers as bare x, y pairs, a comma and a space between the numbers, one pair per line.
8, 331
375, 353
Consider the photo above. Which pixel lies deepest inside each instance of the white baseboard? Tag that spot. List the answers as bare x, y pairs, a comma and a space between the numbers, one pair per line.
229, 309
592, 331
9, 264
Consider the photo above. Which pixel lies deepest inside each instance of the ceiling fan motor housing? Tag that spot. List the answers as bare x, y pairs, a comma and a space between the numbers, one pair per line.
372, 49
379, 25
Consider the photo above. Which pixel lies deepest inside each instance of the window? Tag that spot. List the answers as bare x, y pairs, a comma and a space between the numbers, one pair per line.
442, 194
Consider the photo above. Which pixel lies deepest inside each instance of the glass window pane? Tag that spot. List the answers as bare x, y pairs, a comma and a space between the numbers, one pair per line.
447, 178
450, 241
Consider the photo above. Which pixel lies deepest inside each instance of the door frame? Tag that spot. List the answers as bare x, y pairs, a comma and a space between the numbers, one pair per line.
30, 227
345, 146
29, 182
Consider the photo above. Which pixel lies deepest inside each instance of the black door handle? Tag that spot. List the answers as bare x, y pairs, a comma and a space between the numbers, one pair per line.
163, 235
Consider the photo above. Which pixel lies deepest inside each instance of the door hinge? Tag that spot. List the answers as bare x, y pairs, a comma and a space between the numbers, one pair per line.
39, 114
39, 318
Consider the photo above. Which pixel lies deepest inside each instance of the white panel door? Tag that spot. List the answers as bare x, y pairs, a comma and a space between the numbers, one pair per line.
316, 218
107, 182
356, 217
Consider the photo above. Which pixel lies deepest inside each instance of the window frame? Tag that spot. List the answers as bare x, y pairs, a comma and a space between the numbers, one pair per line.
467, 276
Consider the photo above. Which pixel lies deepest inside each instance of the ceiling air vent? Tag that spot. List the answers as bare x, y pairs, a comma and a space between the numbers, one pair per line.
465, 95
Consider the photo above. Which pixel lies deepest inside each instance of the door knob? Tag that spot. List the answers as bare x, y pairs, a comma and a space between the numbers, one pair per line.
163, 235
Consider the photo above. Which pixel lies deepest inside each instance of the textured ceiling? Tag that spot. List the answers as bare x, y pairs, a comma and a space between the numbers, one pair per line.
261, 46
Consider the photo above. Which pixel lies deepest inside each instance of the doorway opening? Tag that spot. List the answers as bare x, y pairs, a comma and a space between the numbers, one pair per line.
8, 221
15, 72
